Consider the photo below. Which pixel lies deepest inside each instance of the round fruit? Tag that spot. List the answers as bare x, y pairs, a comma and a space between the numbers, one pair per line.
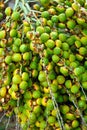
69, 12
44, 37
16, 57
16, 79
16, 16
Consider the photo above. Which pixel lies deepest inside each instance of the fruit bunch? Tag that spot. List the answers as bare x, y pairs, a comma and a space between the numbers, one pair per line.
43, 62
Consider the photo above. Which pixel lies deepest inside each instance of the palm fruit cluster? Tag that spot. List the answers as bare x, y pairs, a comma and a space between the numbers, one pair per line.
43, 64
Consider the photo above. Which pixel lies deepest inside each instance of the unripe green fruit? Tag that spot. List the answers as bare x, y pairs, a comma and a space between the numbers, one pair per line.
16, 79
45, 3
14, 87
64, 109
60, 8
16, 16
27, 95
17, 42
64, 71
62, 17
70, 116
43, 124
71, 24
55, 58
23, 85
54, 35
54, 88
45, 14
36, 94
75, 89
50, 105
50, 23
68, 84
37, 109
15, 48
8, 11
79, 57
82, 51
51, 119
40, 29
1, 15
84, 85
27, 56
75, 6
75, 124
81, 103
65, 46
32, 116
80, 21
8, 59
23, 48
33, 65
42, 76
78, 71
78, 44
62, 37
60, 79
57, 51
25, 76
84, 40
61, 25
2, 34
69, 12
16, 57
47, 29
54, 18
44, 37
13, 33
50, 43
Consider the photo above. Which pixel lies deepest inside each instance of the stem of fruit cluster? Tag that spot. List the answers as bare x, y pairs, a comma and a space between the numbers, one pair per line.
6, 1
70, 69
56, 107
75, 104
16, 4
8, 122
17, 124
2, 117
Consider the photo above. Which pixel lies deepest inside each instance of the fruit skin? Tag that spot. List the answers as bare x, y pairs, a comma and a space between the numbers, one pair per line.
44, 37
16, 57
8, 11
74, 89
23, 85
16, 16
3, 91
16, 79
75, 124
2, 34
13, 33
50, 43
45, 3
69, 12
